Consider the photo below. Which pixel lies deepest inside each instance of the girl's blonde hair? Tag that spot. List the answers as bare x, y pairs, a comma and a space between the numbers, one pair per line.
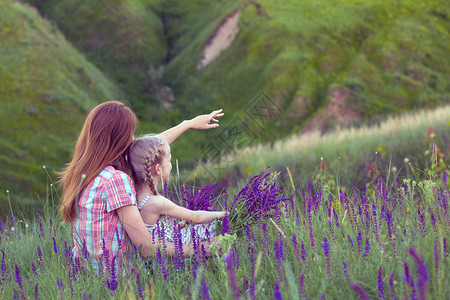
107, 133
144, 153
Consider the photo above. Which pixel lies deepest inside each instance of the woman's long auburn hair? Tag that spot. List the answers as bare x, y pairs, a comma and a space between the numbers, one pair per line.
106, 135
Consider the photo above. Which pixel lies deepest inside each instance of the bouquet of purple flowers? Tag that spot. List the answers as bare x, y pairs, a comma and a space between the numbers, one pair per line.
199, 199
257, 201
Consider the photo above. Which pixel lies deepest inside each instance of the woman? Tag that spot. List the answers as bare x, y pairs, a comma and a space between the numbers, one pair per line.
98, 196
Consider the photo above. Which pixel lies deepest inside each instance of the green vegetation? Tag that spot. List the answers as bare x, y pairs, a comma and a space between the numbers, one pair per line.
370, 58
46, 89
390, 238
395, 147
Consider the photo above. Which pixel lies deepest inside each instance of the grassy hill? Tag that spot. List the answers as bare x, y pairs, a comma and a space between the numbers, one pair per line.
315, 65
403, 146
46, 88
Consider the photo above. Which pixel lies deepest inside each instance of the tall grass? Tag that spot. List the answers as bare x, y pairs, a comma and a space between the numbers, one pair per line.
388, 239
348, 151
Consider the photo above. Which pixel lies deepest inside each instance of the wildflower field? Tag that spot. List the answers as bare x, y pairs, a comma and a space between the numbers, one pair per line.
386, 239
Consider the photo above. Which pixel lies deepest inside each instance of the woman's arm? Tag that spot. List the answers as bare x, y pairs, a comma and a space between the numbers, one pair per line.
199, 122
164, 206
134, 225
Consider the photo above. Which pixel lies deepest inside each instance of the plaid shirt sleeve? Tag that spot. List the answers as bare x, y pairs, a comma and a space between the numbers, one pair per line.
119, 191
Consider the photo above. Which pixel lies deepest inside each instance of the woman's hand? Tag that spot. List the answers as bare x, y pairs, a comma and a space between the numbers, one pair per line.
204, 121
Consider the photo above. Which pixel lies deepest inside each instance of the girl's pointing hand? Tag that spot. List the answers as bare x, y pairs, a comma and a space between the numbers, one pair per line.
206, 121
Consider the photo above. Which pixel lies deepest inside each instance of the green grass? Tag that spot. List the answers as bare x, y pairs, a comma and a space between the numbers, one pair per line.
19, 246
347, 151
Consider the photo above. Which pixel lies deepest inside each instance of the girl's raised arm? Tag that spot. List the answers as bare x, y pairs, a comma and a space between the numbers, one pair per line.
164, 206
200, 122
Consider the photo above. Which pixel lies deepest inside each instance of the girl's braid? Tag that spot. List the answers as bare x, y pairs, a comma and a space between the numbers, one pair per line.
148, 174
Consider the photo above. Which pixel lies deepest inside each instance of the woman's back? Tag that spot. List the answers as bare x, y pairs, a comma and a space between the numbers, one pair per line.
98, 226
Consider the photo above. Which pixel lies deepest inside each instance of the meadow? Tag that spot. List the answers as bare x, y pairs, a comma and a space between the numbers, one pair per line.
385, 239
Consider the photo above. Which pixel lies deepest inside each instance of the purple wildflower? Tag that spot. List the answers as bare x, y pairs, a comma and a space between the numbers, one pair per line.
303, 253
161, 264
367, 249
41, 228
380, 283
4, 267
279, 255
345, 269
200, 199
295, 244
19, 282
139, 286
444, 176
311, 234
406, 273
205, 289
277, 292
358, 241
278, 249
391, 285
326, 251
232, 277
33, 267
350, 240
36, 291
55, 246
225, 226
112, 284
302, 286
41, 262
359, 290
59, 283
421, 272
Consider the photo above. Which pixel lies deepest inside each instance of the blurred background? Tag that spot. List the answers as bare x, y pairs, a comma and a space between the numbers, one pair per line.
357, 89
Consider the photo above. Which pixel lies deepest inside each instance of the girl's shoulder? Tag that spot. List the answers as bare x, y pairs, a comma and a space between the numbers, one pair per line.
155, 201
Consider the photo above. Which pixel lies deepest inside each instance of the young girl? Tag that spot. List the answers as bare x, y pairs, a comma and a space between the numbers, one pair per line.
150, 161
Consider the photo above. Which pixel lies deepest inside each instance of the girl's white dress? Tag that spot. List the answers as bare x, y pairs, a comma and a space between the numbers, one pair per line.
169, 226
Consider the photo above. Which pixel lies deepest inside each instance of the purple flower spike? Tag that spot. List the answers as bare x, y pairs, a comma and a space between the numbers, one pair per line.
367, 249
326, 250
345, 269
421, 272
406, 273
302, 286
359, 290
112, 284
225, 226
277, 292
55, 246
380, 283
139, 286
391, 285
232, 277
205, 289
326, 247
19, 282
3, 267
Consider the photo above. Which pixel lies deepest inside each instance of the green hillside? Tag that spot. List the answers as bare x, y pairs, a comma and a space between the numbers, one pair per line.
314, 64
122, 38
46, 88
387, 56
